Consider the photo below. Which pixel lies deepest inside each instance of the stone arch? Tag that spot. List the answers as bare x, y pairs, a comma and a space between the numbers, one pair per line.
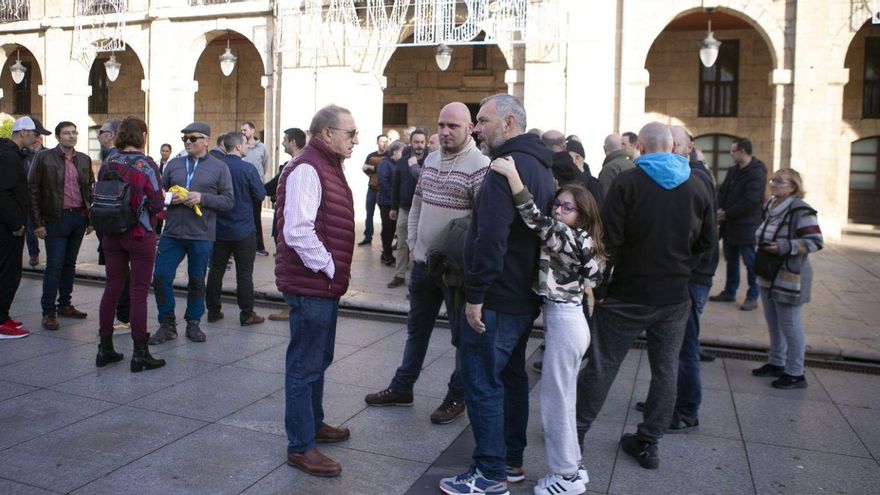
197, 45
9, 99
842, 42
125, 96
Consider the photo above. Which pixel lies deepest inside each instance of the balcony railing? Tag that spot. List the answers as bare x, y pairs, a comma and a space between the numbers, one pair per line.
14, 10
101, 7
212, 2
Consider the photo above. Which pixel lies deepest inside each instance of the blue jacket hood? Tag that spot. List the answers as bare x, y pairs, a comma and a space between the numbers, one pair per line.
666, 169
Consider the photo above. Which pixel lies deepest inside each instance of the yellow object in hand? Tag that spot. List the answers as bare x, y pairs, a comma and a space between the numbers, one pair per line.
182, 192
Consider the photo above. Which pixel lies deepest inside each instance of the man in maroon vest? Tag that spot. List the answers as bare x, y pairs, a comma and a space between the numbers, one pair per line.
312, 270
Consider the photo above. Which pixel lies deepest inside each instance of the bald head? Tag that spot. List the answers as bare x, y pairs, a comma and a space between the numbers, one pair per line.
554, 140
655, 138
613, 142
454, 127
681, 141
456, 111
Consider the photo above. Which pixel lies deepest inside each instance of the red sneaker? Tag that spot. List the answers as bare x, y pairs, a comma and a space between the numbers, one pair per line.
17, 323
8, 330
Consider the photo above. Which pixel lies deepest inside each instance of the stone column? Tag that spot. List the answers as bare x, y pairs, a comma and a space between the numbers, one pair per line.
65, 89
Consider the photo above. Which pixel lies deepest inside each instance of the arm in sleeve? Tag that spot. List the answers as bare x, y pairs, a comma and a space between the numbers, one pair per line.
385, 172
395, 186
496, 214
708, 235
807, 237
35, 183
590, 266
613, 221
224, 199
412, 221
155, 198
258, 190
546, 227
752, 197
8, 182
303, 190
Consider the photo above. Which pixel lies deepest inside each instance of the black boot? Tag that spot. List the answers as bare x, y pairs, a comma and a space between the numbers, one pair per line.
142, 359
106, 353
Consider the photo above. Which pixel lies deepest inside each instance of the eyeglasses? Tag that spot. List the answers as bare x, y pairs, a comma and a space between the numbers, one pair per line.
69, 133
352, 133
778, 182
191, 139
566, 207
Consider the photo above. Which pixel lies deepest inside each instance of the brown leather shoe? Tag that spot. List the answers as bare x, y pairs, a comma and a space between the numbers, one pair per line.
252, 319
50, 322
315, 463
280, 315
71, 312
332, 434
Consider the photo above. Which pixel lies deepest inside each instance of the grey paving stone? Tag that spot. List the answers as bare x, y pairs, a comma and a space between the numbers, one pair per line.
371, 368
741, 380
48, 369
214, 395
272, 360
215, 460
362, 473
117, 383
712, 375
341, 403
392, 431
689, 464
27, 416
434, 378
224, 348
439, 344
364, 332
12, 488
796, 423
864, 421
29, 347
68, 458
717, 415
781, 470
9, 390
851, 389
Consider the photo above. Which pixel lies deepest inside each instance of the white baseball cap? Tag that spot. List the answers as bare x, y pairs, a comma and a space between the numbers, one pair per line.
27, 123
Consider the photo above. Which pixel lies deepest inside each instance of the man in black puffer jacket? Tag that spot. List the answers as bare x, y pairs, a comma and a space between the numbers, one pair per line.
740, 201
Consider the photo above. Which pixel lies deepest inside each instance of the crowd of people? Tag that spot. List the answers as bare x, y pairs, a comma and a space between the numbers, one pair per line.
497, 222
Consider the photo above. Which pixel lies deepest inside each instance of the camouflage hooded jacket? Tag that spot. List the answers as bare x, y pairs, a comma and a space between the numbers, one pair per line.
567, 264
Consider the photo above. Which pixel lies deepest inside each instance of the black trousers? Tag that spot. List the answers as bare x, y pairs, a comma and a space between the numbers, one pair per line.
258, 224
244, 251
10, 269
388, 228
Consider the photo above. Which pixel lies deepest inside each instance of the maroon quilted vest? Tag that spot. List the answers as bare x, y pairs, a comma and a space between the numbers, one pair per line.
334, 226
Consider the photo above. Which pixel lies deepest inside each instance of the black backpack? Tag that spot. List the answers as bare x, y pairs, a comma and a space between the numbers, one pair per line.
111, 212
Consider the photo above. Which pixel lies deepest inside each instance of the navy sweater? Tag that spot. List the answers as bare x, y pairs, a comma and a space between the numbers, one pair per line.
501, 253
237, 223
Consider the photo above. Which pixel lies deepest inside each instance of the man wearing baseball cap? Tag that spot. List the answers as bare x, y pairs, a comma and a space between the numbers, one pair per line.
13, 218
189, 229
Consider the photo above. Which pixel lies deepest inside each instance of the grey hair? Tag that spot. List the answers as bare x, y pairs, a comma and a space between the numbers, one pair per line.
113, 124
232, 139
507, 105
326, 117
394, 147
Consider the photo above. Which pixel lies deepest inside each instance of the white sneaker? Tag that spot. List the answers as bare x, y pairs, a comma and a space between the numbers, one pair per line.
120, 328
582, 473
555, 484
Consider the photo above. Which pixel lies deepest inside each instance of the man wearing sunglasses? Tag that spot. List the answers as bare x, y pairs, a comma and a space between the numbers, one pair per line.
208, 183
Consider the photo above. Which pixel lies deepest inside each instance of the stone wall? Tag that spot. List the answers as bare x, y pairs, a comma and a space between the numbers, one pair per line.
673, 94
414, 79
6, 103
225, 102
125, 96
855, 127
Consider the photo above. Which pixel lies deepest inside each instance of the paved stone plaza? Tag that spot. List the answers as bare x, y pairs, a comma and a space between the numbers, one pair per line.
211, 421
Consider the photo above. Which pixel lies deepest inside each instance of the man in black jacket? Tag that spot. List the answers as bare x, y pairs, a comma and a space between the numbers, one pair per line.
740, 201
403, 186
657, 217
501, 258
13, 219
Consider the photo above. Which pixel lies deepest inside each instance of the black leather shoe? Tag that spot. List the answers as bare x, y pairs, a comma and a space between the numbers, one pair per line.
106, 353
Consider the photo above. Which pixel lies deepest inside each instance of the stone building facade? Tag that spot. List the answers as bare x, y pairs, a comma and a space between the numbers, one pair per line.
800, 86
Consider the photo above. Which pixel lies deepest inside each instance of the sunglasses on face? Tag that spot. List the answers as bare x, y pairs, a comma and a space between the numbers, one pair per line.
191, 139
352, 133
566, 207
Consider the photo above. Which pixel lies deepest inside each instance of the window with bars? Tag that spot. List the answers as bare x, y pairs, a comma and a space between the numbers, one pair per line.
871, 92
99, 101
21, 92
719, 84
394, 114
716, 151
480, 57
14, 10
100, 7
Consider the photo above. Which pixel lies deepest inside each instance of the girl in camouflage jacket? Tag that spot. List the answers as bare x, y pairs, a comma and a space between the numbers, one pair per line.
571, 260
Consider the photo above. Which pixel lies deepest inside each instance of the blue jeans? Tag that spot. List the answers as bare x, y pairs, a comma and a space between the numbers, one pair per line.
690, 395
309, 354
732, 255
171, 253
787, 343
496, 389
63, 239
371, 209
33, 245
426, 294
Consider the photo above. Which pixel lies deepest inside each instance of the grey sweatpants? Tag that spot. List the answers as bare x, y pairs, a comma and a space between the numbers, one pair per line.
566, 338
616, 325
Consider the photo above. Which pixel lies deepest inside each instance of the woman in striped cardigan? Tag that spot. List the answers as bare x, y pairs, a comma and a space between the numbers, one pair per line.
790, 230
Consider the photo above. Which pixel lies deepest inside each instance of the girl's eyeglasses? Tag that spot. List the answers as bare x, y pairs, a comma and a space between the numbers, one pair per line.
778, 182
566, 207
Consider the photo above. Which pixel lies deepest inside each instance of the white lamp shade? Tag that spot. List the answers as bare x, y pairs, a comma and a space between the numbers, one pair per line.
443, 56
709, 50
17, 70
112, 67
227, 62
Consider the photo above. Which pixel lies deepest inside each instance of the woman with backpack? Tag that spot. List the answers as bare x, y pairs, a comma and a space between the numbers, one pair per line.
129, 239
786, 237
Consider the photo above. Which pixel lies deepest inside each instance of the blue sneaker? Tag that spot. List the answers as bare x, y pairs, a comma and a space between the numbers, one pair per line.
473, 482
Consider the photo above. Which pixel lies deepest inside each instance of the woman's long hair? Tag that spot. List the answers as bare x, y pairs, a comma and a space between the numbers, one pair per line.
589, 218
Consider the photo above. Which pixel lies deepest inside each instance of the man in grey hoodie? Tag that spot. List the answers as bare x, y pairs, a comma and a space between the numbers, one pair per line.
656, 218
